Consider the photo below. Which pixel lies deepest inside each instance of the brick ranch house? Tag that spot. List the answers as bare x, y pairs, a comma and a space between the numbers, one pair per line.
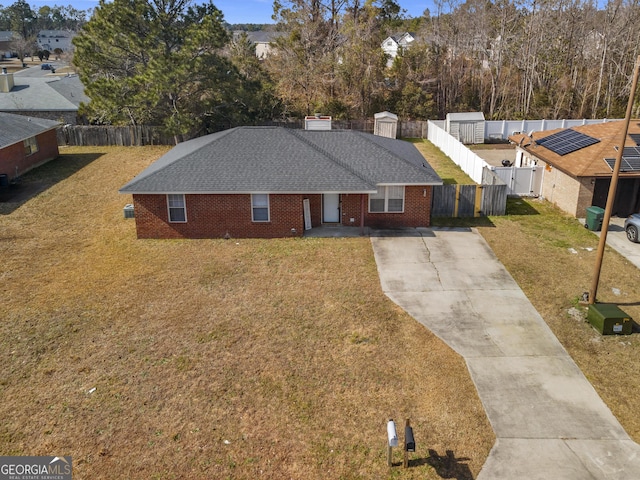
267, 182
578, 165
25, 143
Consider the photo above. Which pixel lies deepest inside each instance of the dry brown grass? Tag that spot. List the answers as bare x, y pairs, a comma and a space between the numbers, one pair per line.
210, 358
533, 241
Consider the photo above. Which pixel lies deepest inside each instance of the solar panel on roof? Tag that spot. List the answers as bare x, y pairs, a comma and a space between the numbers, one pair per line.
635, 137
567, 141
628, 164
631, 152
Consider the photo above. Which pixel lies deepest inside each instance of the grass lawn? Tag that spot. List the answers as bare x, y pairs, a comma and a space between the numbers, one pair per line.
237, 359
552, 257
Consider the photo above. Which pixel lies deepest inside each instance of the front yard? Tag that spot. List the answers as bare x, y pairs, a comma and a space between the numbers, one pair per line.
210, 358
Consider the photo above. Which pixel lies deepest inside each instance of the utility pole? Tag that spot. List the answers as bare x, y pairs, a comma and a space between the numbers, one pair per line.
612, 189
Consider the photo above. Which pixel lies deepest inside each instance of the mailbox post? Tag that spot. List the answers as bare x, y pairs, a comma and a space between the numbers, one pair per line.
409, 443
392, 439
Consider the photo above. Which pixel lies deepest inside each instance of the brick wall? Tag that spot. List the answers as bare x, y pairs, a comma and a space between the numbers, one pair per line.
563, 190
13, 159
417, 210
216, 216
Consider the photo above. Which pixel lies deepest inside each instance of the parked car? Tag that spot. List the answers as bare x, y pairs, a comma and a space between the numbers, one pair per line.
632, 227
45, 66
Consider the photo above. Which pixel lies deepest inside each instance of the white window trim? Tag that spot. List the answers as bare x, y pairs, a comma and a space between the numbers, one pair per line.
254, 207
386, 199
184, 208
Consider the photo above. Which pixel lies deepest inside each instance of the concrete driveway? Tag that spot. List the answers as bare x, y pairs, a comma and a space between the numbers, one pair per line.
617, 239
549, 421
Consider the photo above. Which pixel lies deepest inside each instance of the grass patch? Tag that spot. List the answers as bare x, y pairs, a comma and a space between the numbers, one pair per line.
552, 256
210, 358
448, 171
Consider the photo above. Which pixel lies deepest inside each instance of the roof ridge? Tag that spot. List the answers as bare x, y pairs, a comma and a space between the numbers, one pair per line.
391, 152
329, 156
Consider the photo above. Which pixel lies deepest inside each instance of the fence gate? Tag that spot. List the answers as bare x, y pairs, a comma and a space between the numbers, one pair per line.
520, 180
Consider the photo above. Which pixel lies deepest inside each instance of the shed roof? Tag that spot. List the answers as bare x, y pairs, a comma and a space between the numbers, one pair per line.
16, 128
279, 160
587, 161
465, 116
385, 114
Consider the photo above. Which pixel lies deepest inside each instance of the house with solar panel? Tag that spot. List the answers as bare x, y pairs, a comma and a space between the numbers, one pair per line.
577, 165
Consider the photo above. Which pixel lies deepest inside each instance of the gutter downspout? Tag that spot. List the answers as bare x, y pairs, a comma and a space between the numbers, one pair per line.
362, 214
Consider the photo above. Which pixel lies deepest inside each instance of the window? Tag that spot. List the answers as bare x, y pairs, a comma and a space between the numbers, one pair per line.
387, 200
177, 208
260, 207
30, 146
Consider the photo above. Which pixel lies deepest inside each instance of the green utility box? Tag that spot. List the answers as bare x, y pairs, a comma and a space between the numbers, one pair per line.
609, 319
594, 218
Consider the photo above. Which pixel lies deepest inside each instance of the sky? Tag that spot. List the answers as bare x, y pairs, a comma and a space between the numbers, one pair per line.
235, 11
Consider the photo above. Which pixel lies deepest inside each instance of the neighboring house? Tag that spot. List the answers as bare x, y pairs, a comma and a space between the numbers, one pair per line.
266, 182
52, 97
262, 40
25, 143
52, 39
395, 44
5, 43
578, 165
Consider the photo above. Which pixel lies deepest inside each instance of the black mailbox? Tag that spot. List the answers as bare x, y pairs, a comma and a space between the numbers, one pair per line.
409, 442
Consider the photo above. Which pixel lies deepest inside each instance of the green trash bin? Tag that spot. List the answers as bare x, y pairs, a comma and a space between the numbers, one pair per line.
594, 218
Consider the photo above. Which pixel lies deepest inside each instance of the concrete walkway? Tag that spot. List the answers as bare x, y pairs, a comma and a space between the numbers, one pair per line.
549, 421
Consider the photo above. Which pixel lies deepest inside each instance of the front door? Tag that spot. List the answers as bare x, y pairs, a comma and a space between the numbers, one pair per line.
331, 208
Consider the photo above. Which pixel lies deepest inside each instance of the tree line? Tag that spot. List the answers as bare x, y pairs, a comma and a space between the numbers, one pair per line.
176, 63
511, 59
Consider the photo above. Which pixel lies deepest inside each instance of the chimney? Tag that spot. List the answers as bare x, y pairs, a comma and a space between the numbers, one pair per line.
6, 81
317, 122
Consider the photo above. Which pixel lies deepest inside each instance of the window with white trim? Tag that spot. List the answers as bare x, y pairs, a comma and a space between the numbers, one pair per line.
177, 208
260, 207
30, 146
389, 199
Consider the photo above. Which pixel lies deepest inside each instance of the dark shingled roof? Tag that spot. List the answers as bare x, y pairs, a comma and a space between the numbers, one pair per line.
17, 128
280, 160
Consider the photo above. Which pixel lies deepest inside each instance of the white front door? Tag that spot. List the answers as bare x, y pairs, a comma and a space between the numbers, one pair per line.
331, 208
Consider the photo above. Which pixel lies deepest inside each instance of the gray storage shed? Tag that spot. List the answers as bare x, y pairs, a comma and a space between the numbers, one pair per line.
386, 124
467, 127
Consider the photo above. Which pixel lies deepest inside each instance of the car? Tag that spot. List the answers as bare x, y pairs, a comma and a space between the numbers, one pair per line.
632, 227
45, 66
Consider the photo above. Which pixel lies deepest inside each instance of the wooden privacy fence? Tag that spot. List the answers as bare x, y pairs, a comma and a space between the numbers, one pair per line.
140, 135
490, 198
127, 136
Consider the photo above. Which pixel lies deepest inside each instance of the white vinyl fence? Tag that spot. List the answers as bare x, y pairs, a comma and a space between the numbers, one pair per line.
523, 181
501, 129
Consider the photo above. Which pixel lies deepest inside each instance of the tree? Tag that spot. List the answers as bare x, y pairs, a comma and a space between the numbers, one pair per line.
158, 63
23, 46
22, 19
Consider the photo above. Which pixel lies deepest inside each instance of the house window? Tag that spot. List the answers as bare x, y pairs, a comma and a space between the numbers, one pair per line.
260, 207
30, 146
177, 208
387, 200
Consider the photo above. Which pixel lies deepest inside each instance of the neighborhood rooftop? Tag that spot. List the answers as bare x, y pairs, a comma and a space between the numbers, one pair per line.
16, 128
